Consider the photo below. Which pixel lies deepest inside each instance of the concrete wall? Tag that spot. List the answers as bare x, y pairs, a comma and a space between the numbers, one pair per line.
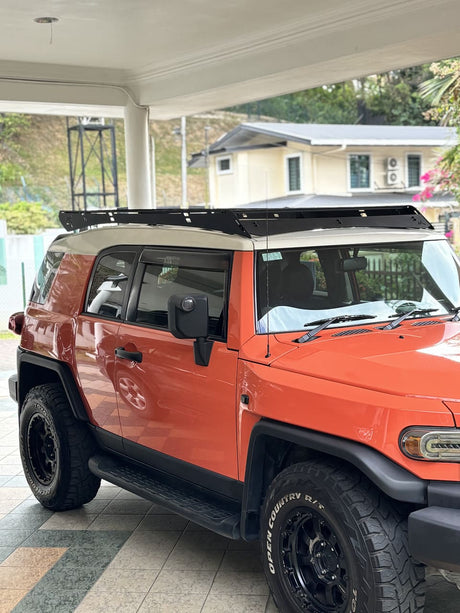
20, 258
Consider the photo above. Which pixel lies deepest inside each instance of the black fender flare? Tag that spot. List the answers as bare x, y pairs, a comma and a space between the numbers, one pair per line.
60, 371
395, 481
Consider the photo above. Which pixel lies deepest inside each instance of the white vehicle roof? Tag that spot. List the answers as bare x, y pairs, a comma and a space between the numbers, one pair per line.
91, 242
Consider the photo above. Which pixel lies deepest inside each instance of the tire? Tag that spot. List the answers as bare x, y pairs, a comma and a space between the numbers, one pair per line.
332, 543
55, 449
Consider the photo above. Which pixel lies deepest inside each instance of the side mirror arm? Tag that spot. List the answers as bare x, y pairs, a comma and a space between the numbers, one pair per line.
202, 348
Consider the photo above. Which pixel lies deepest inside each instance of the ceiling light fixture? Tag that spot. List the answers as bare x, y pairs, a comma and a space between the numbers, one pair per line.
46, 19
49, 21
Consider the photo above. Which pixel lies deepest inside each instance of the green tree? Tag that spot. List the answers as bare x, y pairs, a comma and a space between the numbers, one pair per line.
443, 92
388, 98
26, 217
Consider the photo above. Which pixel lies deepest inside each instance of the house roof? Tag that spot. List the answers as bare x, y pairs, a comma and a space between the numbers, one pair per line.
338, 134
267, 134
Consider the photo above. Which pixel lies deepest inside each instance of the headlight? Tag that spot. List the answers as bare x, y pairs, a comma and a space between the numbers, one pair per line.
434, 445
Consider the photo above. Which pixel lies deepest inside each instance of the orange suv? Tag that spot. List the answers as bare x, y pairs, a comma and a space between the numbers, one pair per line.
283, 375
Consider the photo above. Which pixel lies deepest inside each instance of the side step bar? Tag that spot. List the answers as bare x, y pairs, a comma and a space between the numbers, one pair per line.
197, 505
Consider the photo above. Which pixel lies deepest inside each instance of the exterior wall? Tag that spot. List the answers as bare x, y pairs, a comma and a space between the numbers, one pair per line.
20, 258
260, 174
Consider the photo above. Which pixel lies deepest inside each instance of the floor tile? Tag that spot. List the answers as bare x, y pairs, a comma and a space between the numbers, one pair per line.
46, 601
235, 603
183, 582
239, 583
237, 561
123, 602
194, 559
13, 577
123, 580
10, 598
79, 519
35, 557
115, 522
163, 522
128, 506
202, 540
157, 602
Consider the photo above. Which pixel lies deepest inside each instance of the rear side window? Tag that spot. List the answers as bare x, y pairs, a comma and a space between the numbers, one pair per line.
45, 276
107, 293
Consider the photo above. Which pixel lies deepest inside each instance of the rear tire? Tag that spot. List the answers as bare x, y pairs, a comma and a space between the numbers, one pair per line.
55, 449
332, 543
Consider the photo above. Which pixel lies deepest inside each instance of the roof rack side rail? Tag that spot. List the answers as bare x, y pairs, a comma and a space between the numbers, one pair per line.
254, 222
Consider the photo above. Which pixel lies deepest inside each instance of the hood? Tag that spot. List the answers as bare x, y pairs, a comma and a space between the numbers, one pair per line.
412, 360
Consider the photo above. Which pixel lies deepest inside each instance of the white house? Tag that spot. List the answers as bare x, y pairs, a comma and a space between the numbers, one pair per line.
299, 164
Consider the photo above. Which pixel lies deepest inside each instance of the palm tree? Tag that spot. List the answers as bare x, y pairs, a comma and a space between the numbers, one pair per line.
443, 91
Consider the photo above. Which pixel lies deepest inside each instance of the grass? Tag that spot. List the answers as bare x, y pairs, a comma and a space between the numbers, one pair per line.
6, 335
41, 152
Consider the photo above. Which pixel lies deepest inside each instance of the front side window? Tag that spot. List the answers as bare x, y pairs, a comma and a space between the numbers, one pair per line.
182, 273
360, 171
413, 170
298, 287
293, 174
107, 293
45, 276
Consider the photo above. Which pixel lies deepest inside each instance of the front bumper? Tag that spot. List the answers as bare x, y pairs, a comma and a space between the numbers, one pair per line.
434, 532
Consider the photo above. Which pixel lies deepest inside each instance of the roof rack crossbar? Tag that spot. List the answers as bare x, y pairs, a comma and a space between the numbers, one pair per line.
254, 223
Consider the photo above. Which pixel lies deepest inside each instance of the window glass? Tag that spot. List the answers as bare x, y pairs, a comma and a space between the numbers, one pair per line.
167, 275
359, 172
379, 282
224, 165
413, 170
294, 174
45, 276
109, 283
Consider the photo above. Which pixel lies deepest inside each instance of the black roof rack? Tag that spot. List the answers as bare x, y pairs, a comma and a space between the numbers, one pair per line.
254, 223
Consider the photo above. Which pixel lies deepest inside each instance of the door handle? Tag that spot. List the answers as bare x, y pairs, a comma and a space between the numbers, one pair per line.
132, 356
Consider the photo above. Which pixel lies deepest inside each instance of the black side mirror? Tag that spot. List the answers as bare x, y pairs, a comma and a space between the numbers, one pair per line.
188, 318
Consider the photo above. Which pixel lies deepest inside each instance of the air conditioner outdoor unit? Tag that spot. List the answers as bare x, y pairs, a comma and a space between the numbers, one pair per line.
392, 163
392, 177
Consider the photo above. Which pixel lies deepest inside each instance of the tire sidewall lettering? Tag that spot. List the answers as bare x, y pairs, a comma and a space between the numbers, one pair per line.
271, 538
295, 497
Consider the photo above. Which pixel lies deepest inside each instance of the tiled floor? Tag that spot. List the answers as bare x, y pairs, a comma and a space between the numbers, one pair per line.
122, 553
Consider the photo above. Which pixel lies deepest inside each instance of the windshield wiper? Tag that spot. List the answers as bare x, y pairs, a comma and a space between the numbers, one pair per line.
394, 324
456, 312
324, 323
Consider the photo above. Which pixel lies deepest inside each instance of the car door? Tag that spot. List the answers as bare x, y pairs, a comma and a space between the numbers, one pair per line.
96, 335
168, 403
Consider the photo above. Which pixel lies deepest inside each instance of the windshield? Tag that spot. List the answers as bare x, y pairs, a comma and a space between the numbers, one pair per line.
297, 287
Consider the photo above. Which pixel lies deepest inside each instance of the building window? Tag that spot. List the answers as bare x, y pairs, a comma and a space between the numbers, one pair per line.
360, 175
414, 170
224, 165
294, 182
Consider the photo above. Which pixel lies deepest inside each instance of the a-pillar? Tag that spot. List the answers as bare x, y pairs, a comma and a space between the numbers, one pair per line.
138, 157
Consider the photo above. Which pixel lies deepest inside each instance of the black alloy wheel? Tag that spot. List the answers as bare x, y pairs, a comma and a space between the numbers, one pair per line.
42, 448
314, 561
55, 449
332, 543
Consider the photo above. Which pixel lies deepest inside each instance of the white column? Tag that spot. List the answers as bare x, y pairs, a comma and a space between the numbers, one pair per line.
137, 157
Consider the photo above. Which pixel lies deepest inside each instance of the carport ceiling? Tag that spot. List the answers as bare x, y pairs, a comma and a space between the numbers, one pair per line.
186, 56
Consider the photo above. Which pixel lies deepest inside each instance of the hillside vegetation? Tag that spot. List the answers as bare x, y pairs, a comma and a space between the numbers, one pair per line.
34, 161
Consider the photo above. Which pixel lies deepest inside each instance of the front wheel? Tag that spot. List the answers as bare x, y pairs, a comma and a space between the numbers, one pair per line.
331, 543
55, 449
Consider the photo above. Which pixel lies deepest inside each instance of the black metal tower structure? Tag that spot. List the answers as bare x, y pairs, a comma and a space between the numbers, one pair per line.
93, 164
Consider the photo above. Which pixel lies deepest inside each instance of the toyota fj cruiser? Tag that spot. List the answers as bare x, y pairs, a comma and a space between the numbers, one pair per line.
284, 375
